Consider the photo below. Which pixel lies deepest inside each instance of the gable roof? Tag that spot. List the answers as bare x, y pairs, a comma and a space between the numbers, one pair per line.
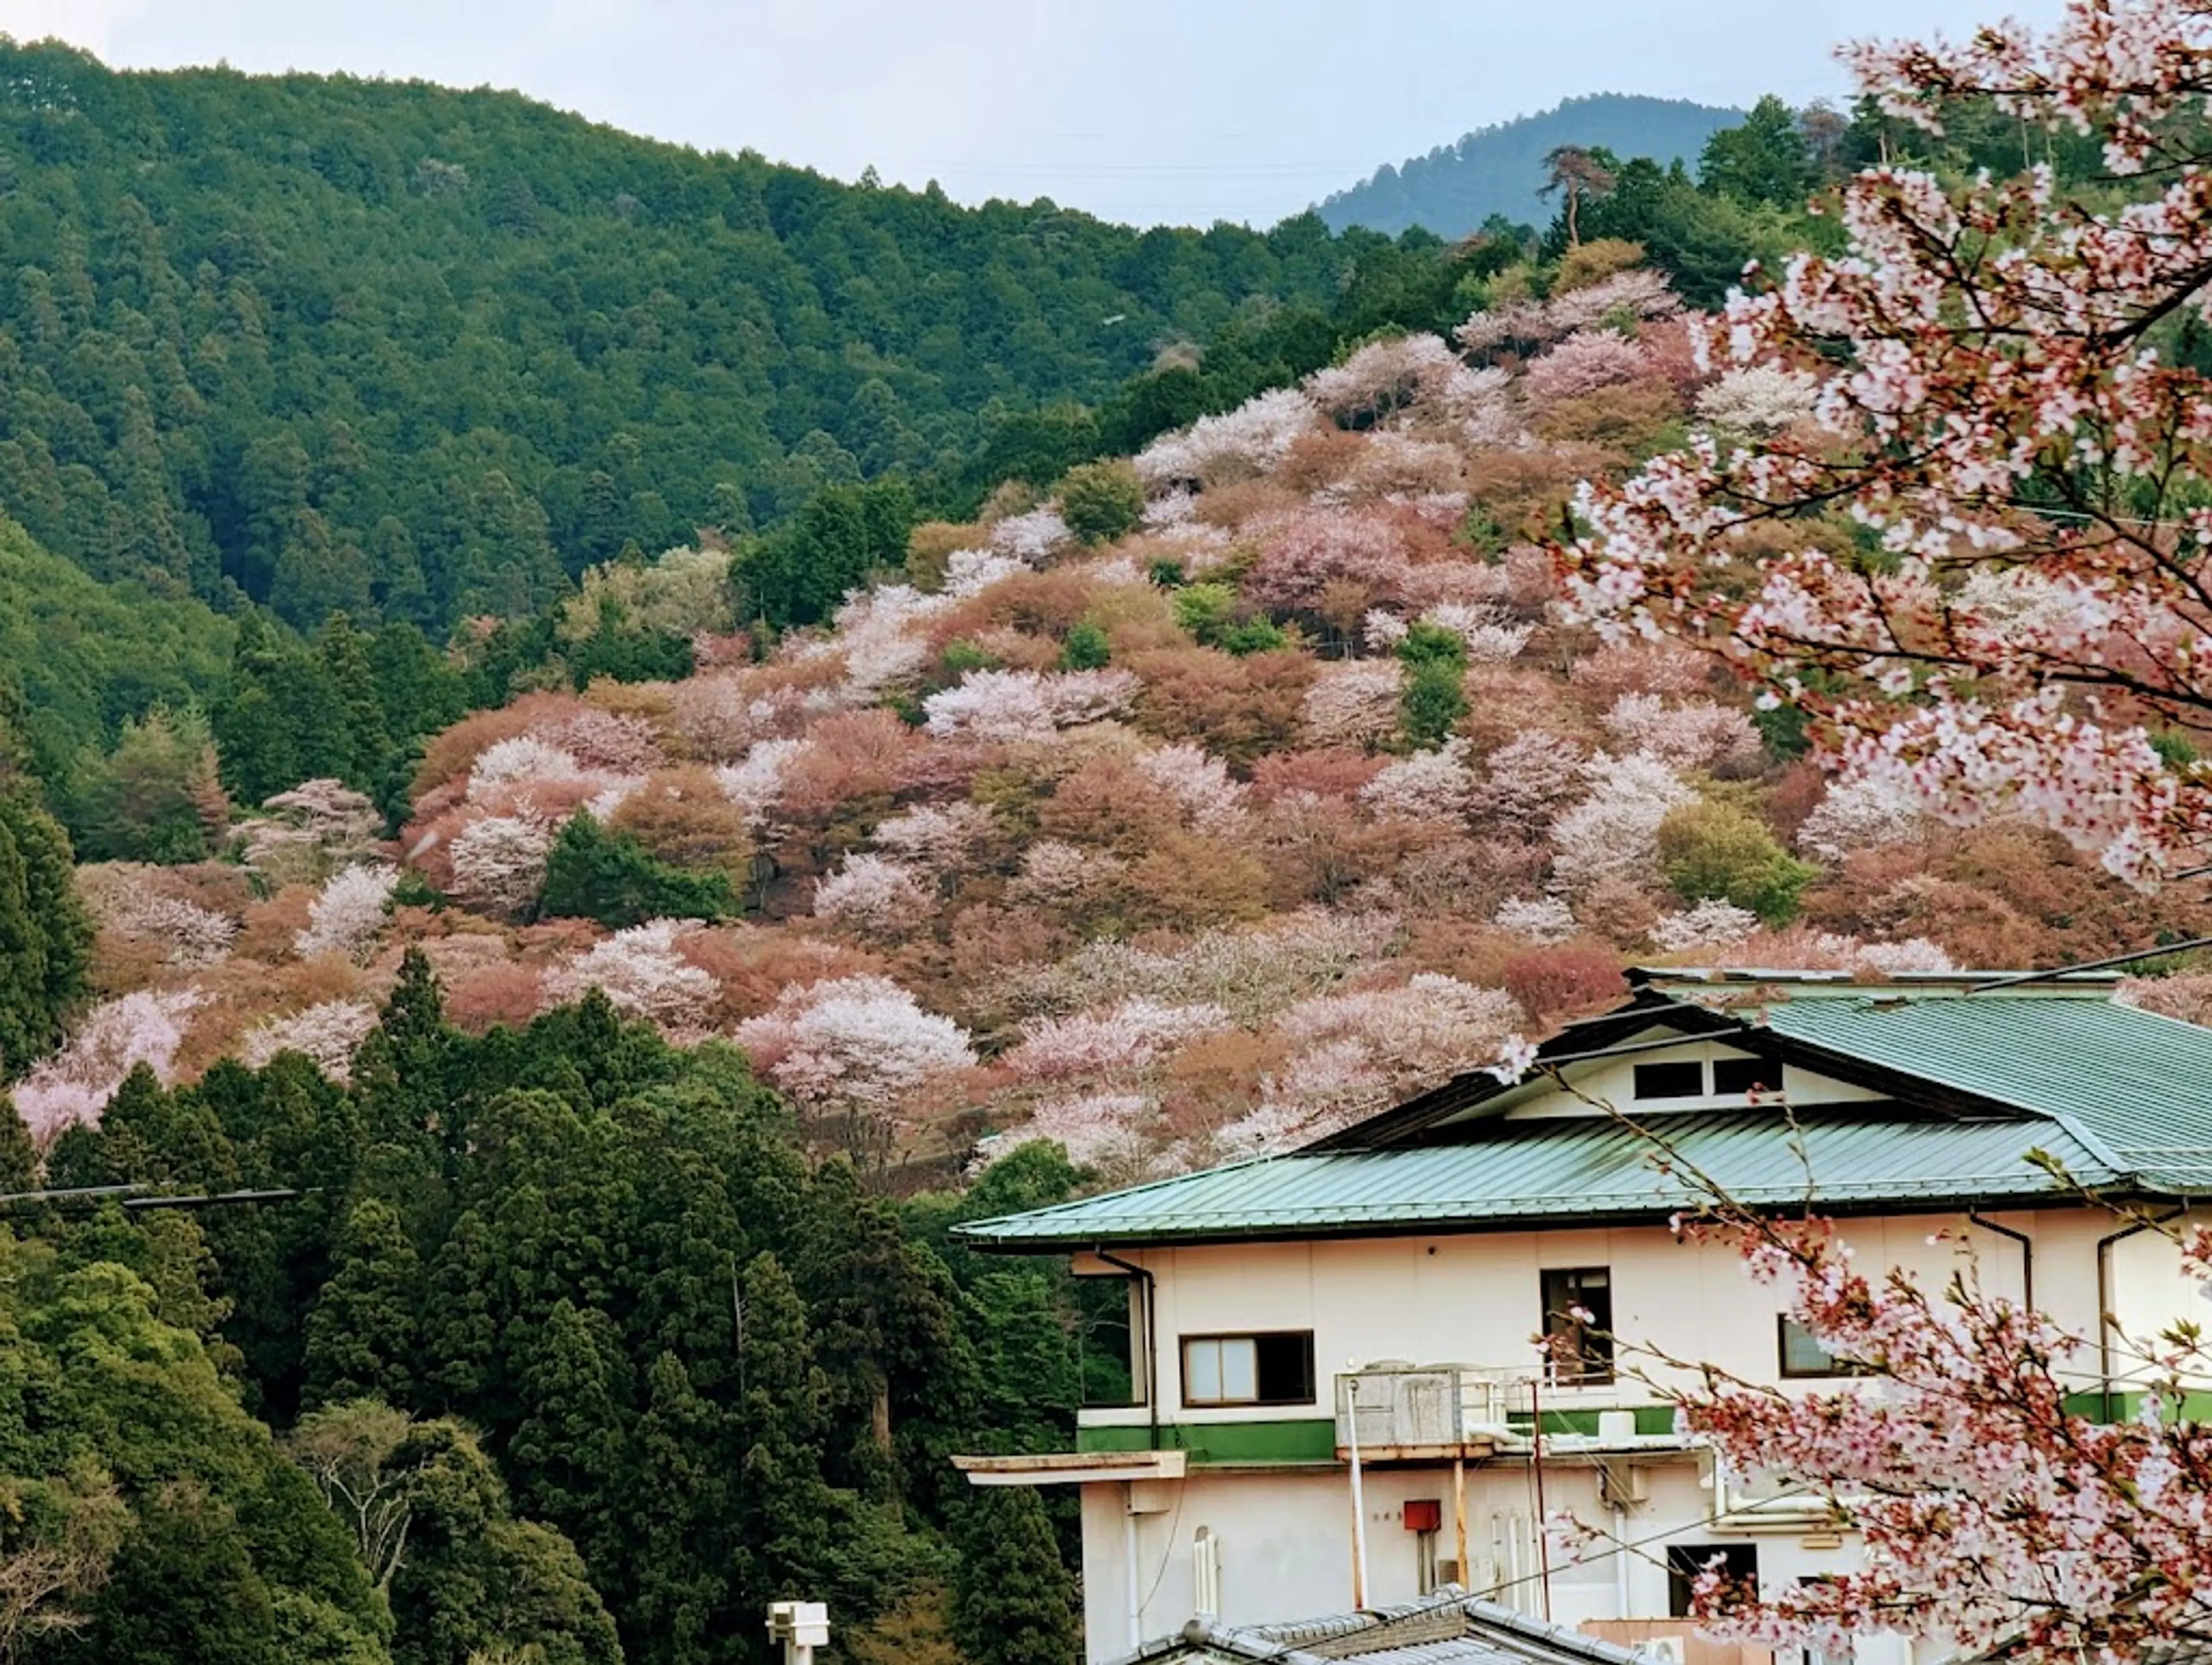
1969, 1084
1452, 1629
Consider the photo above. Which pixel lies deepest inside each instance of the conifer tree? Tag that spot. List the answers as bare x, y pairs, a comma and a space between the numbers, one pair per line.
1013, 1600
364, 1332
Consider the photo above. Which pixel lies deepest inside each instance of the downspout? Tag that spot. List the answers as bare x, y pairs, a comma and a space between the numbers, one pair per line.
1151, 1335
2027, 1256
2105, 1302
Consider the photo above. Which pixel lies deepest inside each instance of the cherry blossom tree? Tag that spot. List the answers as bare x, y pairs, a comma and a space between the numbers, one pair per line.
1991, 1507
642, 972
347, 912
1251, 439
1614, 833
1584, 362
2012, 400
73, 1086
860, 1045
498, 862
328, 1033
872, 895
1026, 705
1382, 378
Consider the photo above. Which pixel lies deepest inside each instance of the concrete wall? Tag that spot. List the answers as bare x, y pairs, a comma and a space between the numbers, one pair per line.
1476, 1299
1284, 1540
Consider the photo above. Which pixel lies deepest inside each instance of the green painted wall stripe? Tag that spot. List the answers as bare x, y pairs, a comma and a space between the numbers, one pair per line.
1307, 1440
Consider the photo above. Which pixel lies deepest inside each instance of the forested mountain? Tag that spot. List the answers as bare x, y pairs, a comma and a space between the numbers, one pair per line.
1499, 170
339, 345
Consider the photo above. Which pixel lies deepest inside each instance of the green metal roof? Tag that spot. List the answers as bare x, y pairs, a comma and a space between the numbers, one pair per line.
1526, 1173
2134, 1087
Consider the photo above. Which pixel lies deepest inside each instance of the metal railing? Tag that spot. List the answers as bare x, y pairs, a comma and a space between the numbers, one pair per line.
1399, 1407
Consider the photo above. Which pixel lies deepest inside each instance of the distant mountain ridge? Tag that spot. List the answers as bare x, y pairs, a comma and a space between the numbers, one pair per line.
1500, 169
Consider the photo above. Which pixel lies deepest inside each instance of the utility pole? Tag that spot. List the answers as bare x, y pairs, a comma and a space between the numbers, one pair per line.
801, 1626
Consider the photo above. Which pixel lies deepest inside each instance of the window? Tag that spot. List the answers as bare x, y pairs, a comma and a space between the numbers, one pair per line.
1578, 1322
1249, 1370
1670, 1080
1686, 1561
1800, 1354
1733, 1077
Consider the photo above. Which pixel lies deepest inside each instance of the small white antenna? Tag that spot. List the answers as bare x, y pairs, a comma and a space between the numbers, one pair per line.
801, 1626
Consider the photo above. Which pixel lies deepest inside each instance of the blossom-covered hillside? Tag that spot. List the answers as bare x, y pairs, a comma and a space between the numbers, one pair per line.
1199, 805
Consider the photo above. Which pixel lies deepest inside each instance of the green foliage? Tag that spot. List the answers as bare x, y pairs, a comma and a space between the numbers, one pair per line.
1434, 696
153, 794
1086, 648
86, 655
1497, 172
1762, 163
594, 873
45, 934
1714, 848
1101, 501
1013, 1602
799, 573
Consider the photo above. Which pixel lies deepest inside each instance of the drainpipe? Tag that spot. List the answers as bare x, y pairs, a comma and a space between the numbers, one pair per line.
2104, 1300
1129, 1561
2027, 1256
1620, 1557
1151, 1328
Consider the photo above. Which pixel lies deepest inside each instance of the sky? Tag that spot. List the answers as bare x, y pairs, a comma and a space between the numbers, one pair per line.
1181, 111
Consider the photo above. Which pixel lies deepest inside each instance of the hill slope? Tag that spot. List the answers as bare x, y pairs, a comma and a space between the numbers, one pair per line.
1500, 169
338, 343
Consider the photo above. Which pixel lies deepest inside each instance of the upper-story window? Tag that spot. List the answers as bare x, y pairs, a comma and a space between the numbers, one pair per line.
1276, 1368
1685, 1077
1679, 1079
1578, 1323
1800, 1353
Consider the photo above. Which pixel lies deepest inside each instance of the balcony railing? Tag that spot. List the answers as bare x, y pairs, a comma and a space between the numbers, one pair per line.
1427, 1407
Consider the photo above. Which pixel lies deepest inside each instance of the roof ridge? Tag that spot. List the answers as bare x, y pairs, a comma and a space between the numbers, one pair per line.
1133, 1190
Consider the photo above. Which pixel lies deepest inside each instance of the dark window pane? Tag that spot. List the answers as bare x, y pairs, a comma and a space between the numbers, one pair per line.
1686, 1561
1670, 1080
1579, 1313
1286, 1372
1732, 1076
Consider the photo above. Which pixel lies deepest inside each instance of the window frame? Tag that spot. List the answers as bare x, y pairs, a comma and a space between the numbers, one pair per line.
1764, 1087
1682, 1572
1588, 1372
1836, 1367
1312, 1395
1638, 1073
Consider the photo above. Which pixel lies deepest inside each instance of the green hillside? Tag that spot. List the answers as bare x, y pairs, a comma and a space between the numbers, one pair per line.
344, 344
83, 655
1499, 170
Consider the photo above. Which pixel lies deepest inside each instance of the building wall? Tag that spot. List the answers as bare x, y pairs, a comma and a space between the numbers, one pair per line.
1284, 1535
1284, 1543
1475, 1299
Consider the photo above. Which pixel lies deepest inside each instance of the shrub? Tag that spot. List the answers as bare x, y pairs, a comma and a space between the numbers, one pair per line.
1713, 849
1101, 501
1085, 649
610, 876
1433, 700
1561, 980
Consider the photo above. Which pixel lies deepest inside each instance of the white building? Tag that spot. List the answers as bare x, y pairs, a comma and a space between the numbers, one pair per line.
1389, 1282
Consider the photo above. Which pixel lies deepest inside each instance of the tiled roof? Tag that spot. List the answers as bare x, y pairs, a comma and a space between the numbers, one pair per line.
1580, 1169
1972, 1083
1451, 1629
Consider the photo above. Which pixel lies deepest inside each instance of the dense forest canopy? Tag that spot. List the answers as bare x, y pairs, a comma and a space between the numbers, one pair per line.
1499, 170
328, 344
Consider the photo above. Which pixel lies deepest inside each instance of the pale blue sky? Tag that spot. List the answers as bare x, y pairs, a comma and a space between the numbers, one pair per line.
1183, 110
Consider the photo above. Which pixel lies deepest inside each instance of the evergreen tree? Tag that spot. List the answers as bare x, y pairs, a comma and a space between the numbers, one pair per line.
361, 1334
45, 934
594, 873
1013, 1599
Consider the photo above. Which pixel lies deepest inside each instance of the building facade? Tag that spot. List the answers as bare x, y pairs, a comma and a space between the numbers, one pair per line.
1383, 1293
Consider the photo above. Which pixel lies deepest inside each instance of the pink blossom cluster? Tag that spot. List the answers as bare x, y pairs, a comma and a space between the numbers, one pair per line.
327, 1034
72, 1087
349, 911
1026, 705
860, 1043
